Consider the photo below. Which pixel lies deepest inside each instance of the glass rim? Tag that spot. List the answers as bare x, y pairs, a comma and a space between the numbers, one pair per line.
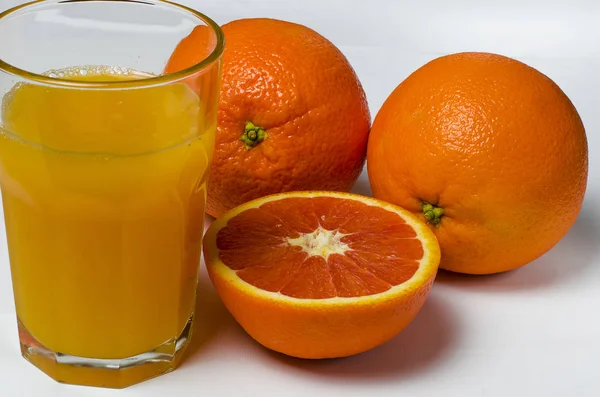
161, 79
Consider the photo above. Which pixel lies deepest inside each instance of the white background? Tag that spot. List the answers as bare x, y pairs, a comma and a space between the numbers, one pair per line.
531, 332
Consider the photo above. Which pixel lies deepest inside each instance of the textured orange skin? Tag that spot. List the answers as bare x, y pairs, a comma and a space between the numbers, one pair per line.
319, 332
300, 88
493, 142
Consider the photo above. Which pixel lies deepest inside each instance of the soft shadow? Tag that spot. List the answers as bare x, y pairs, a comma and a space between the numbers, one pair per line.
362, 186
209, 318
566, 263
210, 314
208, 220
424, 343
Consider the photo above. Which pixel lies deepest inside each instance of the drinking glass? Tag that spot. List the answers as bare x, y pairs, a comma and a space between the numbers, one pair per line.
104, 163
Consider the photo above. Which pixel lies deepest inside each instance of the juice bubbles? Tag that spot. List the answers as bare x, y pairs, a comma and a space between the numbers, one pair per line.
103, 194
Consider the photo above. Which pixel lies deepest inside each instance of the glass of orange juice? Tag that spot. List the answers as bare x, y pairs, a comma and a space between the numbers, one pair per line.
103, 165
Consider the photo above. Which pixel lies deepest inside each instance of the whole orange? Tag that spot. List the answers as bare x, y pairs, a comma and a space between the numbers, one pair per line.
292, 113
487, 149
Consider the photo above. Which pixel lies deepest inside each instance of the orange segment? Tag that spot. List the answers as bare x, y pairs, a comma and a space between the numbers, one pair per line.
350, 279
312, 281
392, 269
295, 269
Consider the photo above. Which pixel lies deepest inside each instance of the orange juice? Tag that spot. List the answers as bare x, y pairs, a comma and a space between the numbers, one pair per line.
103, 194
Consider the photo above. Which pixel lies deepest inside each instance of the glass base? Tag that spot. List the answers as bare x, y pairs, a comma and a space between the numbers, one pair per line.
111, 373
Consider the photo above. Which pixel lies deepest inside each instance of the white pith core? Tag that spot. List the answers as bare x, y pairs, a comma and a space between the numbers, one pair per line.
321, 242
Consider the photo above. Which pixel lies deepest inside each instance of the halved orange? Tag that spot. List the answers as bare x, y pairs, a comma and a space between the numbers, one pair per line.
321, 274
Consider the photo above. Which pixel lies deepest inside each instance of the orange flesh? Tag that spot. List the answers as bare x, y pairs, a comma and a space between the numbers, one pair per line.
382, 249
